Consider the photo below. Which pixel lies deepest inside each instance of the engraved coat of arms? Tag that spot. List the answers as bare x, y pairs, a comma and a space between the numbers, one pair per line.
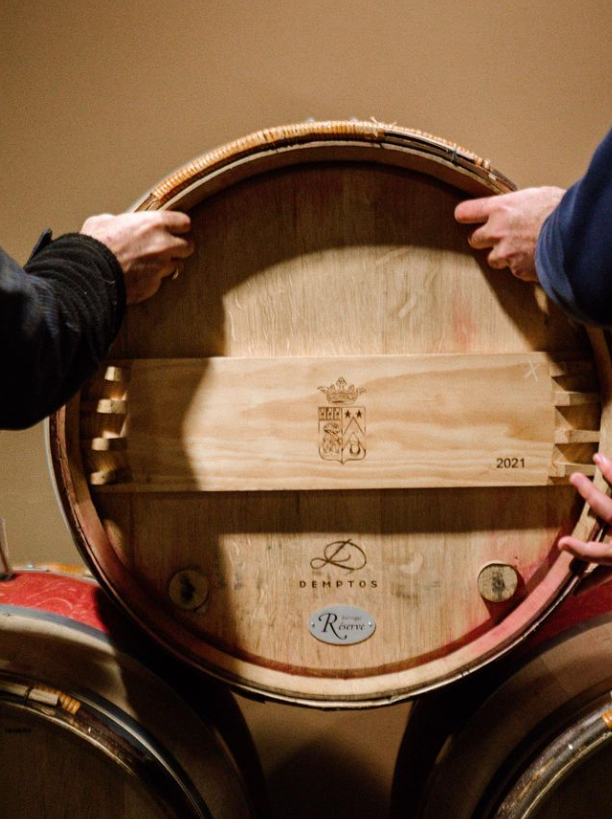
342, 426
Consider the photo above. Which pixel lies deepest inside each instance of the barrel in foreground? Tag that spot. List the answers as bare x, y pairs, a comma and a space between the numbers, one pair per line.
329, 463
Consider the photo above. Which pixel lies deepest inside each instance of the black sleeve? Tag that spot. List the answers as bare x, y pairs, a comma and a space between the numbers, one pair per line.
58, 316
574, 249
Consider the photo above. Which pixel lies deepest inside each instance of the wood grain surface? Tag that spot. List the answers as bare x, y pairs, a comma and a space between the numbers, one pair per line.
263, 424
64, 775
314, 262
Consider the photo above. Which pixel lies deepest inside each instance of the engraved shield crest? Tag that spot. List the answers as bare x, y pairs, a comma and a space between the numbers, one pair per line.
342, 428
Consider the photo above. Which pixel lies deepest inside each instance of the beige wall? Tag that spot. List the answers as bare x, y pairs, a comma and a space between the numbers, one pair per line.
99, 100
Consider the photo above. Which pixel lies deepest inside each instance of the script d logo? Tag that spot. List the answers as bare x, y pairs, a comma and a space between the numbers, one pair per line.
343, 554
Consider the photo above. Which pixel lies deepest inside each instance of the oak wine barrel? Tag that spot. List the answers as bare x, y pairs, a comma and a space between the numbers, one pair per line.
92, 724
531, 737
329, 463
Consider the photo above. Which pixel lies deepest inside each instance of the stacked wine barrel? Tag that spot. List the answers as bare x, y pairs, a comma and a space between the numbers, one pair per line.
530, 737
329, 463
96, 723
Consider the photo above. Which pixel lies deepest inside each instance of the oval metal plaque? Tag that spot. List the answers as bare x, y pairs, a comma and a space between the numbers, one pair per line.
341, 625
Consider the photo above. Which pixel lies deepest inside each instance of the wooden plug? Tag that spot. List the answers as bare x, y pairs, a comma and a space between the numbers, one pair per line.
497, 582
189, 589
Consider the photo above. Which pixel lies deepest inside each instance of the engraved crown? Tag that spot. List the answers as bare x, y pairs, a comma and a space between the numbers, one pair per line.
341, 392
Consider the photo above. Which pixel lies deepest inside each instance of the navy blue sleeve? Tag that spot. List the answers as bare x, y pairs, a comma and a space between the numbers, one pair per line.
574, 249
58, 316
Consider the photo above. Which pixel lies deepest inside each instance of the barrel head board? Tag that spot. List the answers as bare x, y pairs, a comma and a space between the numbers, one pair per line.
329, 463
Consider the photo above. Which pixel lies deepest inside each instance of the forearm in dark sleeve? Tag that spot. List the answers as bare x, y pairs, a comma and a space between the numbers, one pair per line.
57, 320
574, 250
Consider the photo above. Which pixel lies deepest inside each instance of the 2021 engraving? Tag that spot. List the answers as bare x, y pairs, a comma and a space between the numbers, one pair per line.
510, 463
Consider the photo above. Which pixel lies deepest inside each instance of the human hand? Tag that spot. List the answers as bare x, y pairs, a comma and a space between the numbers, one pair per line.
149, 246
511, 224
601, 504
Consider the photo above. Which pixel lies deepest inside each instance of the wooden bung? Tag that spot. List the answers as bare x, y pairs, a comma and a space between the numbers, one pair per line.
335, 418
